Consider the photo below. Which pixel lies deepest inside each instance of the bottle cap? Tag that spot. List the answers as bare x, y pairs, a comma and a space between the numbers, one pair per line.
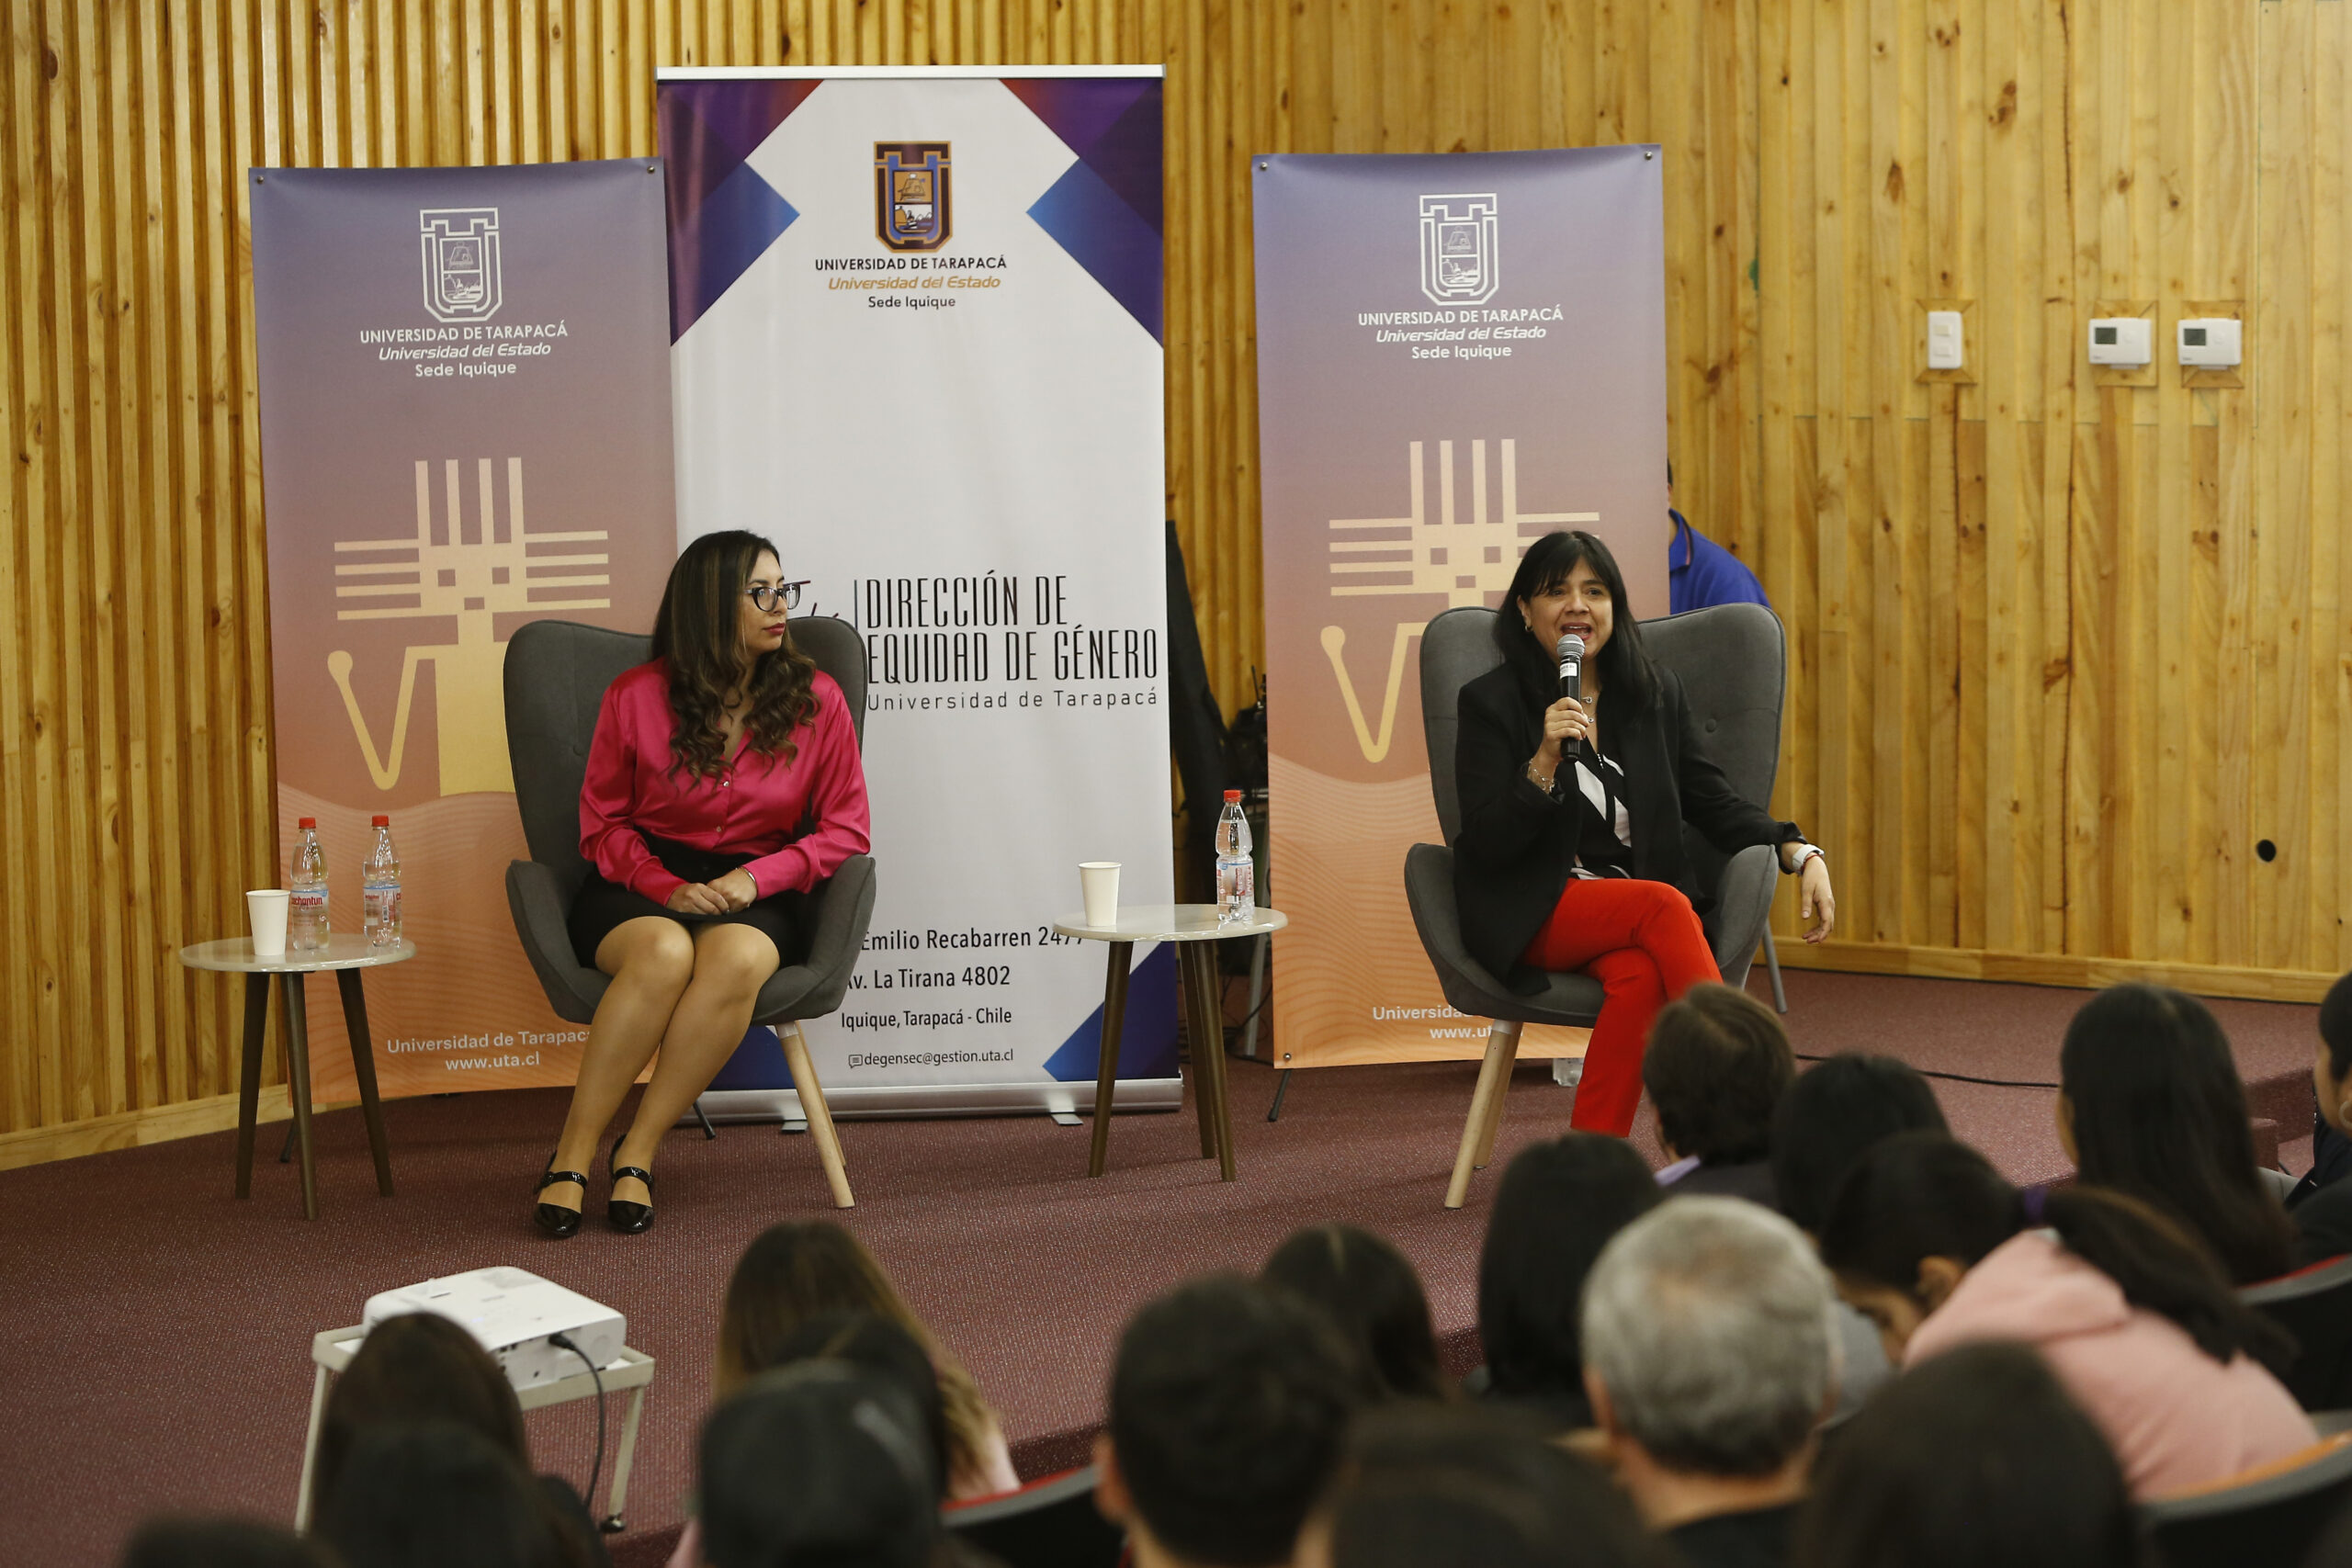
383, 821
306, 822
1233, 795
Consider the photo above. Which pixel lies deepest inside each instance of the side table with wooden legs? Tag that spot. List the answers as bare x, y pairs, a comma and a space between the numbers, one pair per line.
1196, 930
346, 956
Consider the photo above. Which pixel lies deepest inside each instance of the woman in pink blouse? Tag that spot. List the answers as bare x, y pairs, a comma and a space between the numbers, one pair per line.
723, 788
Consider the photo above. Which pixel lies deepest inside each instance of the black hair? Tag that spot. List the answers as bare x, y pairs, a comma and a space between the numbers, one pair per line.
1373, 1296
698, 632
1624, 667
1834, 1114
884, 1348
820, 1462
436, 1495
1227, 1404
2335, 1026
1975, 1457
1472, 1486
1921, 1195
417, 1367
1717, 1064
178, 1541
1558, 1206
2159, 1114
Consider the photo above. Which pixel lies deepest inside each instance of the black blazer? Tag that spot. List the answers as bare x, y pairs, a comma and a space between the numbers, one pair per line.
1511, 858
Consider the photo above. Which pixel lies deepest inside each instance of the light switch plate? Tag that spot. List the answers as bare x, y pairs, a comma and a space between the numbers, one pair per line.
1945, 341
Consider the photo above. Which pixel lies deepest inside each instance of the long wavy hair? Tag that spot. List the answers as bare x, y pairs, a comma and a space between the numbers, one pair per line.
700, 632
799, 1269
1625, 666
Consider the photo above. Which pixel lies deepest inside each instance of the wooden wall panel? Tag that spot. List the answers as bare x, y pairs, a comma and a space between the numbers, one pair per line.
2065, 646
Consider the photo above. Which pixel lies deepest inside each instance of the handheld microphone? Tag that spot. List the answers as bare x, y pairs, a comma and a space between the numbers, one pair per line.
1571, 655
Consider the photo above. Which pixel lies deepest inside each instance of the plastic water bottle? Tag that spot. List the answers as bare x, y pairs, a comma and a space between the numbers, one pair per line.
380, 880
1237, 875
306, 912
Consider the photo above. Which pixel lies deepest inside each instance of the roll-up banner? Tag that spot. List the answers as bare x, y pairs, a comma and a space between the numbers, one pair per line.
916, 341
1456, 355
465, 419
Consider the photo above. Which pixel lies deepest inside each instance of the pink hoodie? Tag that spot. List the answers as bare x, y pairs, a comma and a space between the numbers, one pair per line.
2177, 1417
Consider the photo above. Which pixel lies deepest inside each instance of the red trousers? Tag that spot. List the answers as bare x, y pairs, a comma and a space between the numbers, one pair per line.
1643, 942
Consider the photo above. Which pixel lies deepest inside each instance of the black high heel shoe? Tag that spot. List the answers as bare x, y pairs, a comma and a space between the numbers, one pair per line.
553, 1218
630, 1219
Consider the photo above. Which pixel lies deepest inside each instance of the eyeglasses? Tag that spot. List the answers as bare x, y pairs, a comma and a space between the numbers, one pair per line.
787, 595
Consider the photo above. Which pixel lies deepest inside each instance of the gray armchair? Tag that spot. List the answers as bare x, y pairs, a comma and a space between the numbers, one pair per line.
1733, 660
556, 675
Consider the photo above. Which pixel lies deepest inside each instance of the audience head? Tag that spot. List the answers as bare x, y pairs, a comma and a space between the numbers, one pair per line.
1425, 1485
2332, 1071
1558, 1206
1976, 1460
1227, 1404
1709, 1342
438, 1494
1833, 1114
416, 1367
1372, 1293
2151, 1105
180, 1542
800, 1269
1921, 1209
1717, 1064
880, 1346
818, 1462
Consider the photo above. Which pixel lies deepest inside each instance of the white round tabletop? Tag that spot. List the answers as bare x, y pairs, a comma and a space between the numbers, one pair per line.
1171, 922
343, 951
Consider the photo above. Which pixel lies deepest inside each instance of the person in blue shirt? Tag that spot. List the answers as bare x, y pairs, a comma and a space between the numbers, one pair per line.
1701, 573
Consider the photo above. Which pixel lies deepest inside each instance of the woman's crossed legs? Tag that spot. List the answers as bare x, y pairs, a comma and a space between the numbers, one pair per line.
687, 994
1643, 942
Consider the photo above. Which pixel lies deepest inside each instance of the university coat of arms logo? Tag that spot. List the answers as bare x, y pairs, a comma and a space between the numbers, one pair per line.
461, 281
1460, 251
910, 194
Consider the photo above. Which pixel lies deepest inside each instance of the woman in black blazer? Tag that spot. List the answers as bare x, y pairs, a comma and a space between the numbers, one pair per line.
1570, 854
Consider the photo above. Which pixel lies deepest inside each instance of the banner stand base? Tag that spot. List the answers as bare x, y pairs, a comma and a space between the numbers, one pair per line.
1062, 1102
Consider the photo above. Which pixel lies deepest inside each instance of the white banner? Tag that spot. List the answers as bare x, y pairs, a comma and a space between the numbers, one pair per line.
916, 342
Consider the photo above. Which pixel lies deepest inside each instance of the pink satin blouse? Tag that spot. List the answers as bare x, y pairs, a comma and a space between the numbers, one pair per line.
756, 806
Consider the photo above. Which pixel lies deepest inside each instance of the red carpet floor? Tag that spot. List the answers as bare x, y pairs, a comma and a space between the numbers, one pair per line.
154, 1331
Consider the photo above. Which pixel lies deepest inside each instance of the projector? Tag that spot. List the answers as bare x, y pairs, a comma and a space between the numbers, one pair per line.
513, 1312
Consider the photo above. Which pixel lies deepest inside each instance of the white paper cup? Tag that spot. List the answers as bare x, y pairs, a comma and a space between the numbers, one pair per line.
1099, 880
266, 908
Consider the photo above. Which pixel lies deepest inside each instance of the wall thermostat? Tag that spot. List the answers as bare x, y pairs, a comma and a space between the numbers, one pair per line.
1943, 340
2121, 340
2209, 343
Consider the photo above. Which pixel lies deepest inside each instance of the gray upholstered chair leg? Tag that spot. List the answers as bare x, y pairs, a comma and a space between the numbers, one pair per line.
1486, 1107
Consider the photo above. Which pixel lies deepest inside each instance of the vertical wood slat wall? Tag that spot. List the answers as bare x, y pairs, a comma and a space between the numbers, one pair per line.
2066, 645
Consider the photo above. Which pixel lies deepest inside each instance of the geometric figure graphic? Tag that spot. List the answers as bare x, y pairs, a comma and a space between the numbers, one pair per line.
1146, 1030
723, 217
1106, 237
473, 580
1421, 559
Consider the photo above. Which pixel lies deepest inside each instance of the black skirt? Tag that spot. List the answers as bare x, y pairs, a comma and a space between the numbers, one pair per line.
789, 916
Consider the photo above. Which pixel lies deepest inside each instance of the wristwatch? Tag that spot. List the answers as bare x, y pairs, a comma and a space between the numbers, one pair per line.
1807, 855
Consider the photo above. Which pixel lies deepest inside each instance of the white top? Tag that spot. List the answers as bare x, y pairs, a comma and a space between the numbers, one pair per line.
343, 951
1171, 922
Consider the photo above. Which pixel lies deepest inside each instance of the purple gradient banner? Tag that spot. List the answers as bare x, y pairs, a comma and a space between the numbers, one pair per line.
465, 421
1456, 355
